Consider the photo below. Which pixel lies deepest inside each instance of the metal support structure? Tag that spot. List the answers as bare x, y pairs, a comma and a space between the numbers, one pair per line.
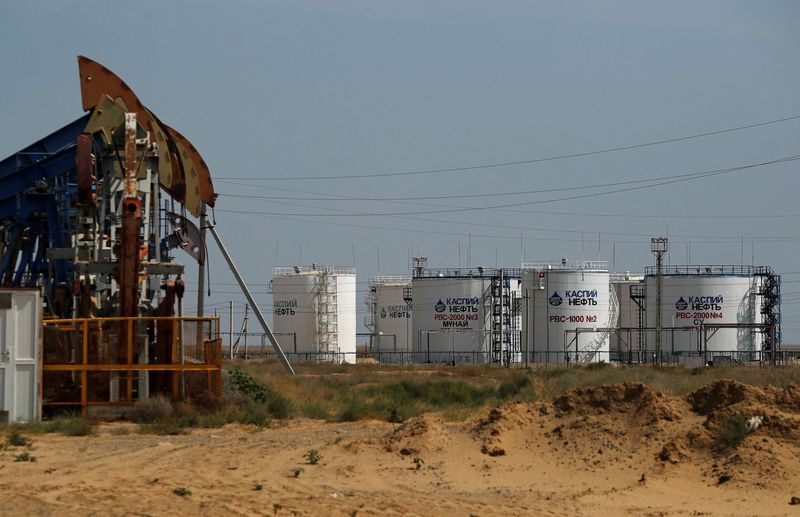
268, 331
659, 246
201, 264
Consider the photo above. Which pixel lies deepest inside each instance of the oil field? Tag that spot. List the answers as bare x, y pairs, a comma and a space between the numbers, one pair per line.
429, 259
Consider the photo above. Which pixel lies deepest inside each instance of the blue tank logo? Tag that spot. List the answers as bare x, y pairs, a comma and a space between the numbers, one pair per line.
555, 300
383, 313
440, 306
681, 304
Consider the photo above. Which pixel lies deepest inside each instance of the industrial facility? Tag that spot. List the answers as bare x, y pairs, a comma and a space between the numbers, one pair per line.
315, 312
93, 216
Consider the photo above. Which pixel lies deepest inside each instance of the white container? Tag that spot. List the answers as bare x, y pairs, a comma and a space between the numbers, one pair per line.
314, 312
456, 315
564, 296
20, 331
392, 318
706, 294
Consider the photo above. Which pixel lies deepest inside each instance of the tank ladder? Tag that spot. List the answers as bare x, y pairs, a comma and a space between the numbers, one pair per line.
638, 295
327, 322
770, 305
502, 322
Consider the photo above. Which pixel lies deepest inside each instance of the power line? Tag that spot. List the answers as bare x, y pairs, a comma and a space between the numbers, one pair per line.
668, 180
343, 197
520, 162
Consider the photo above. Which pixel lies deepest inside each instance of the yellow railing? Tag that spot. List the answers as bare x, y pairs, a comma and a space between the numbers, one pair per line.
117, 361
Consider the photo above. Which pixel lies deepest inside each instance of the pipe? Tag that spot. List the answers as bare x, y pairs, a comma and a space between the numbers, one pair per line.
264, 326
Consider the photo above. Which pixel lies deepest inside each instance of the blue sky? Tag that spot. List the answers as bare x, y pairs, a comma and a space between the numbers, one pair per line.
289, 89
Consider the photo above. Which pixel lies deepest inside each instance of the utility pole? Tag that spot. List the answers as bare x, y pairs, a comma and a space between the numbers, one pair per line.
659, 246
230, 327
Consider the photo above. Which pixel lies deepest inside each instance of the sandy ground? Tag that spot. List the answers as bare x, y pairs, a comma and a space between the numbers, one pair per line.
619, 450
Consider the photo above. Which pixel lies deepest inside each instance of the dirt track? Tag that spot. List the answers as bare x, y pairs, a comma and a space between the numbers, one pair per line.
623, 449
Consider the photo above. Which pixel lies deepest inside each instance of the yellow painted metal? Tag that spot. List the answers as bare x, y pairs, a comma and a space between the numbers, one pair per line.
84, 373
212, 364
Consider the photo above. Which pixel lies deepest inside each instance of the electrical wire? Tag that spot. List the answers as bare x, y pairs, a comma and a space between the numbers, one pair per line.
667, 181
521, 162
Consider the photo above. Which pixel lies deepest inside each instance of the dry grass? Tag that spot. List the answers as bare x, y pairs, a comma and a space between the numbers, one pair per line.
395, 393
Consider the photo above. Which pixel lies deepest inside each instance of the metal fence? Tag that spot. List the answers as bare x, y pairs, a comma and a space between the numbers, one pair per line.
107, 362
541, 359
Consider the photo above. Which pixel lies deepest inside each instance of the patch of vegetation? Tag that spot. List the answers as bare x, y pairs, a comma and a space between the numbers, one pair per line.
731, 432
277, 405
16, 439
257, 487
255, 414
72, 426
152, 410
25, 456
297, 471
512, 387
182, 491
312, 456
418, 462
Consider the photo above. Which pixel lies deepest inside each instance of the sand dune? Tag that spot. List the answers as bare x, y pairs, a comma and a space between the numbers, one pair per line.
612, 450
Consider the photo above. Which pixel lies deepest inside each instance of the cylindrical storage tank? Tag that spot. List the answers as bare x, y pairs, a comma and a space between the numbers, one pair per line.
465, 316
624, 344
314, 312
391, 315
564, 297
695, 296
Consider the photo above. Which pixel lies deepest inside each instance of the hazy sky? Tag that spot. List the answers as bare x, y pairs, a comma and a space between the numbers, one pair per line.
290, 89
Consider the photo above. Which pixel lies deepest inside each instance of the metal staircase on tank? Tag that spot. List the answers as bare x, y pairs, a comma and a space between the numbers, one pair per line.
327, 323
371, 303
601, 338
638, 295
502, 322
770, 304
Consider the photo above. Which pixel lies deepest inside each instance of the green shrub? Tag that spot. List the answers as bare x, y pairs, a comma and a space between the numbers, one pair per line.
731, 432
24, 457
277, 405
151, 410
312, 456
255, 413
72, 426
16, 439
315, 411
513, 386
182, 492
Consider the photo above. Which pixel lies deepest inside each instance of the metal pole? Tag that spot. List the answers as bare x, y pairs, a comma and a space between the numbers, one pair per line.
201, 268
526, 328
230, 327
658, 303
268, 331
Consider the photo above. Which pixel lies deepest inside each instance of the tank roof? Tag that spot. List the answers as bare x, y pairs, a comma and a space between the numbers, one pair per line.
567, 265
710, 270
314, 269
476, 272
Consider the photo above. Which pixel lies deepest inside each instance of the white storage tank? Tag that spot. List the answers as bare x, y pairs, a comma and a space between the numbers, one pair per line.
390, 316
625, 344
564, 296
314, 312
707, 295
466, 315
